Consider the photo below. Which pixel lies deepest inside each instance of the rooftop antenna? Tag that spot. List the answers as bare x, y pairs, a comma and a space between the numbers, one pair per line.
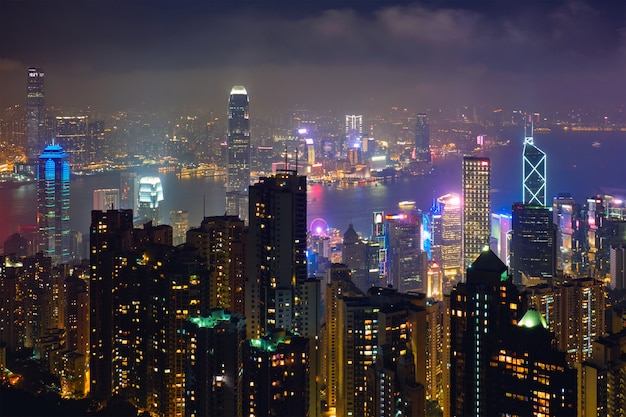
203, 206
286, 163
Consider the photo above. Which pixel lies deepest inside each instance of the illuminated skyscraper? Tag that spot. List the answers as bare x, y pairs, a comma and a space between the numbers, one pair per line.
150, 197
71, 133
534, 172
422, 139
476, 207
238, 141
447, 233
35, 113
106, 199
354, 131
482, 310
277, 252
53, 201
221, 241
533, 252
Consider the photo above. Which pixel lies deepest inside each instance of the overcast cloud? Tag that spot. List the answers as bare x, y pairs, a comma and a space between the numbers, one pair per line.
357, 55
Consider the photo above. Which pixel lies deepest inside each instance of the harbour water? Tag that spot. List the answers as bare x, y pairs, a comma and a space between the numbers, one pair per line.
581, 163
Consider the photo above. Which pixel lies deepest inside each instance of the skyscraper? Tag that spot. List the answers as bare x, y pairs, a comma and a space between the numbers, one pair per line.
71, 133
422, 139
482, 310
150, 197
277, 252
35, 113
533, 252
106, 199
354, 131
476, 207
534, 172
448, 232
238, 140
53, 203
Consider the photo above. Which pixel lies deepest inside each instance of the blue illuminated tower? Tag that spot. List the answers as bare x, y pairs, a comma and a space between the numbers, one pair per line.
534, 172
53, 203
238, 141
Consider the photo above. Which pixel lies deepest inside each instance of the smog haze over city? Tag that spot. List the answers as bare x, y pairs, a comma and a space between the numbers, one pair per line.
342, 55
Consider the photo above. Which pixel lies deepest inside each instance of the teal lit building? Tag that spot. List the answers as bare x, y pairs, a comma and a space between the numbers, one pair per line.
53, 204
534, 173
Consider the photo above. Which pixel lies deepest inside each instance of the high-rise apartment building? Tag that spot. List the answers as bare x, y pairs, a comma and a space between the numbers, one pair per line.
574, 311
277, 252
35, 113
422, 139
534, 178
110, 235
53, 204
214, 372
602, 378
476, 205
533, 252
238, 141
221, 241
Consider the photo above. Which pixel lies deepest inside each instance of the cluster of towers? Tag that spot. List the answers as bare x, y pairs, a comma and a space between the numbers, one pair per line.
230, 323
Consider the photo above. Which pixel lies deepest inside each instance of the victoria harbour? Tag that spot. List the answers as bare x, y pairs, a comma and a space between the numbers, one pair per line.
571, 157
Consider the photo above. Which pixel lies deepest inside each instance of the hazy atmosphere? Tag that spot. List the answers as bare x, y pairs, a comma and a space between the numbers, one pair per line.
339, 55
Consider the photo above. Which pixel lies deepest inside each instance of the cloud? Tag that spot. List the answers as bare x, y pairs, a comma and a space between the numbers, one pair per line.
414, 52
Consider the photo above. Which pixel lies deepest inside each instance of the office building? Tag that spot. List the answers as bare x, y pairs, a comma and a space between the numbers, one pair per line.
501, 236
570, 239
618, 266
53, 204
482, 310
238, 141
71, 132
179, 220
422, 139
277, 252
408, 263
129, 191
476, 205
534, 178
150, 198
36, 137
533, 252
354, 131
447, 234
106, 199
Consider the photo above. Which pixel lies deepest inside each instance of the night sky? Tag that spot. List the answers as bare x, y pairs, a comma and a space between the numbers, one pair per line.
350, 56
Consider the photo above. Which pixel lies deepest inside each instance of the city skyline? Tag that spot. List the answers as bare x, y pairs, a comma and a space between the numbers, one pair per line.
343, 54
